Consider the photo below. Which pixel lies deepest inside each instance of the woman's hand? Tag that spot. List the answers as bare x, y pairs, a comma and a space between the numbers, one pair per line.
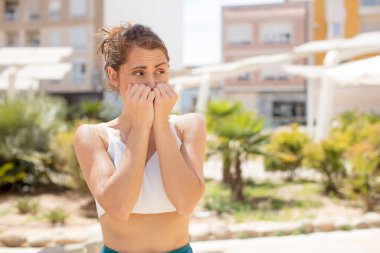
139, 105
165, 99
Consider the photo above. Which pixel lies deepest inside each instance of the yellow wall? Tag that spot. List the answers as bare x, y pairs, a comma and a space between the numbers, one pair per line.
351, 26
320, 26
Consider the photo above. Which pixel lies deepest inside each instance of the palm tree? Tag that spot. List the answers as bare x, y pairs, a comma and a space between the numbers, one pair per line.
237, 136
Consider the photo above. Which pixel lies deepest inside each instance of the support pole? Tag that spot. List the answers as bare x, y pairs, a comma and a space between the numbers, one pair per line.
203, 93
326, 97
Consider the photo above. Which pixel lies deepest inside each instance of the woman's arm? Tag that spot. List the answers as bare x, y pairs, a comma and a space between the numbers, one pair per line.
116, 190
182, 170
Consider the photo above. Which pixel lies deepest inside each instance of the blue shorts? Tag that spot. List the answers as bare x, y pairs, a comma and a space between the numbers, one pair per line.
184, 249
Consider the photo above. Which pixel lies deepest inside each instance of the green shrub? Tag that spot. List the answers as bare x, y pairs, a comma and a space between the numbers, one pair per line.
62, 145
217, 199
363, 179
327, 157
92, 109
57, 216
26, 128
26, 205
284, 151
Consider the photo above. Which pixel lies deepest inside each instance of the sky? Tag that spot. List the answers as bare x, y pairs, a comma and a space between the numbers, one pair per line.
202, 29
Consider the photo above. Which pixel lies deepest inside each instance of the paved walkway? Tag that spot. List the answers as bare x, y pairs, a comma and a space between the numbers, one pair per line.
358, 241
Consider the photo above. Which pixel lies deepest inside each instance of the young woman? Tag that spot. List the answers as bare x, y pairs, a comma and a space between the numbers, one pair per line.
144, 168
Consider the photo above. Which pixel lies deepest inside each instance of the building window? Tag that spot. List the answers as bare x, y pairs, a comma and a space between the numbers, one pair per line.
55, 38
273, 74
335, 30
78, 37
369, 26
78, 8
12, 39
287, 112
276, 33
78, 72
239, 34
32, 10
33, 38
54, 82
244, 77
11, 10
335, 15
54, 9
370, 2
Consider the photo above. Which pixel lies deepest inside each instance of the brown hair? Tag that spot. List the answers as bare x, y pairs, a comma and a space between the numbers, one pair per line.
117, 42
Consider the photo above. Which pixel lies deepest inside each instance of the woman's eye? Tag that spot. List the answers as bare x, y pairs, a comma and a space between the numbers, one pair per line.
159, 72
138, 73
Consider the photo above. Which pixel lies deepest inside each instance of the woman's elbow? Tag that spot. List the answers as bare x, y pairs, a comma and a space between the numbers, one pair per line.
115, 210
120, 215
188, 207
119, 212
185, 210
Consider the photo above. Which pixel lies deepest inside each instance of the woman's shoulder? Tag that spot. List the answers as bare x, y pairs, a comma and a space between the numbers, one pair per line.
87, 133
190, 122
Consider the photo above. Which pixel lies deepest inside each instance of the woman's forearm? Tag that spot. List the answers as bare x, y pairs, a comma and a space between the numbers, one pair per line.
181, 183
123, 187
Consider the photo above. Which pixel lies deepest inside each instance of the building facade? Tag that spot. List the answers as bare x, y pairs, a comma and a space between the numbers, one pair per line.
266, 29
59, 23
344, 19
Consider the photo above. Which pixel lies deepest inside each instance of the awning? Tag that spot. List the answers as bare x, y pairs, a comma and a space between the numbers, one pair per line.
13, 56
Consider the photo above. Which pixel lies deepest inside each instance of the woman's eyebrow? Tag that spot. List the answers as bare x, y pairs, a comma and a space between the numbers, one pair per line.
144, 67
164, 62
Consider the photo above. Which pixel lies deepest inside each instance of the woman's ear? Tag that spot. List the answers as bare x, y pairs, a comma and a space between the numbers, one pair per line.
113, 77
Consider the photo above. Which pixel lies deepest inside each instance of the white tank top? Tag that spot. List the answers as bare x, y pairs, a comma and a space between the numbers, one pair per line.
152, 198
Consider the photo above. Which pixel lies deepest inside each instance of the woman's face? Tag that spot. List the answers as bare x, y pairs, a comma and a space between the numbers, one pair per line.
143, 66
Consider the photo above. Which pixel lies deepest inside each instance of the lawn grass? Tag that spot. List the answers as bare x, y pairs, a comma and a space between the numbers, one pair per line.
265, 201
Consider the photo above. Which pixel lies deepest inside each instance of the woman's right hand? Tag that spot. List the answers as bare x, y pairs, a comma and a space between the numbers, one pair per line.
139, 105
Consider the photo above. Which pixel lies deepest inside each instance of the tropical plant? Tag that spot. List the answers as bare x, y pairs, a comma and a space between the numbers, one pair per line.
26, 127
237, 136
62, 145
91, 109
216, 112
284, 152
327, 157
363, 158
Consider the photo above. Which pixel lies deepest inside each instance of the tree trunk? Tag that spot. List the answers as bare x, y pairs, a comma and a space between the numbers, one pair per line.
227, 176
370, 206
237, 182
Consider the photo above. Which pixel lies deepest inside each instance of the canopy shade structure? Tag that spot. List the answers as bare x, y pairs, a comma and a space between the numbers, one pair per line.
361, 44
361, 72
16, 56
309, 72
318, 46
45, 72
24, 67
20, 83
232, 69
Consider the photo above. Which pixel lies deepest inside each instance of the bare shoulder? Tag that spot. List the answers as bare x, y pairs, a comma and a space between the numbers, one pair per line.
88, 134
191, 123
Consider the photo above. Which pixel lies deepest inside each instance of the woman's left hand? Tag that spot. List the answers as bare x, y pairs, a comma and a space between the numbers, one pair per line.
164, 101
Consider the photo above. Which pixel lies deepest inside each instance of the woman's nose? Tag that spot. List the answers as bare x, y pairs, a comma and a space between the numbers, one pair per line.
150, 82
